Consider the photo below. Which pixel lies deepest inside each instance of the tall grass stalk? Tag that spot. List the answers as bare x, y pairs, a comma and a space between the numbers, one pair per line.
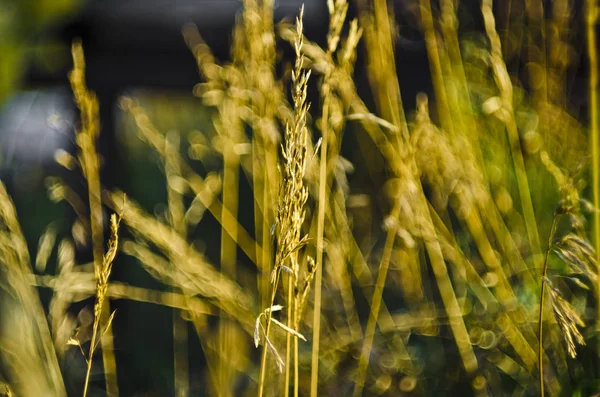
177, 220
289, 220
291, 303
541, 317
228, 250
337, 16
87, 138
102, 273
314, 373
591, 10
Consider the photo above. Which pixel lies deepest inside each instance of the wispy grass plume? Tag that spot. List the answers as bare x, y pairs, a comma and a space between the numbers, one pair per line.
290, 212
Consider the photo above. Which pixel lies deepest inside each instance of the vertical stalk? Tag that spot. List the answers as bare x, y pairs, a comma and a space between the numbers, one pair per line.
259, 218
90, 354
180, 355
263, 358
436, 68
591, 17
177, 220
288, 337
296, 326
290, 213
541, 318
314, 370
87, 138
228, 261
376, 304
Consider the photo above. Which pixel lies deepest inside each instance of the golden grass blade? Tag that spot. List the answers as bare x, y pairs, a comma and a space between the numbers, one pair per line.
290, 213
195, 275
288, 329
82, 286
28, 355
177, 220
45, 246
102, 274
591, 11
88, 157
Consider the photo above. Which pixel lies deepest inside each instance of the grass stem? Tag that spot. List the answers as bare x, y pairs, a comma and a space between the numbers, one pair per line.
591, 18
314, 372
541, 318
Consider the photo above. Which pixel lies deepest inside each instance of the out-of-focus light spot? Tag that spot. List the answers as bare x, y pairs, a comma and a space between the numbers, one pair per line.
492, 105
357, 201
494, 173
407, 384
479, 383
504, 201
532, 141
490, 279
388, 361
65, 159
488, 340
382, 384
475, 335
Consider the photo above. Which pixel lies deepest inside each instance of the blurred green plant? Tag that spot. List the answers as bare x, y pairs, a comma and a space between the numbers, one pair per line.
22, 25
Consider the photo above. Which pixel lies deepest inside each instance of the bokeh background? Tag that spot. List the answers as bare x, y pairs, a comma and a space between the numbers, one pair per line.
136, 49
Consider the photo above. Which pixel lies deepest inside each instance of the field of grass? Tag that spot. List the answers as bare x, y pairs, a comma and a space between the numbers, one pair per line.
320, 238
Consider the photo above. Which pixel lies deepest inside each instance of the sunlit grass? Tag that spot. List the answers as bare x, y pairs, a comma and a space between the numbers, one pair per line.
411, 265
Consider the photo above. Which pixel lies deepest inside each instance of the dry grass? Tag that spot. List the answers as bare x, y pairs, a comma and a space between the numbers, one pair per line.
89, 161
410, 266
102, 273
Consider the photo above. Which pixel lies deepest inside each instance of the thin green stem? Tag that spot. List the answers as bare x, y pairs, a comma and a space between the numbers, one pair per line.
543, 289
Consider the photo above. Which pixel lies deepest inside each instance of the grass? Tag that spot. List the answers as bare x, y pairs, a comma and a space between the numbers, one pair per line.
363, 247
89, 161
541, 320
289, 219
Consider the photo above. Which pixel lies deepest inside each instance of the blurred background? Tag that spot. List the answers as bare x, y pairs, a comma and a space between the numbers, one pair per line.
135, 48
